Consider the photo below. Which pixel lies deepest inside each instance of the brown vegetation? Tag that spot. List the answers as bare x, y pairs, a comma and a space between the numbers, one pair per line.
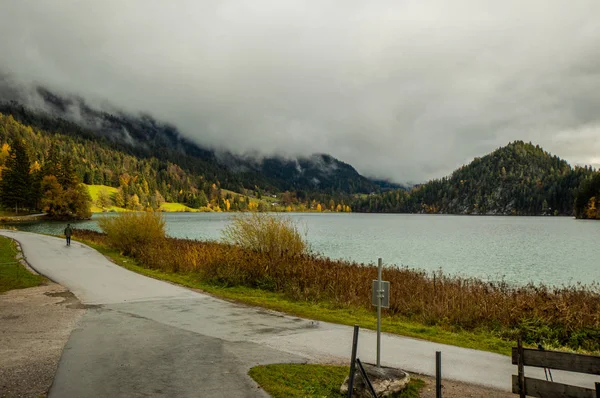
262, 233
566, 316
133, 232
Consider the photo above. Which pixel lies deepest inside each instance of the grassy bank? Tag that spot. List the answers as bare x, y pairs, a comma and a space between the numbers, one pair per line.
464, 312
12, 274
167, 207
299, 381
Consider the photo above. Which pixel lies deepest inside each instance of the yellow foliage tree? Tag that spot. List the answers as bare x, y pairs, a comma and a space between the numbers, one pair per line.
319, 208
338, 208
35, 167
591, 209
4, 153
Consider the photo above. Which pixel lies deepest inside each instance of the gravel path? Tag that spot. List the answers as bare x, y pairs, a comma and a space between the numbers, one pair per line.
35, 324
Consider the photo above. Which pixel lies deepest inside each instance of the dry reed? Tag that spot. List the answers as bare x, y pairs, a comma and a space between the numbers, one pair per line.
561, 316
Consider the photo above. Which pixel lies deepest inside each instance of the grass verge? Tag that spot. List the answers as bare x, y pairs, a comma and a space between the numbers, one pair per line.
300, 381
323, 311
12, 274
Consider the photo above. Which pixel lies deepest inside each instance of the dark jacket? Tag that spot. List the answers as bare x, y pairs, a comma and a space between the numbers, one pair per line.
68, 232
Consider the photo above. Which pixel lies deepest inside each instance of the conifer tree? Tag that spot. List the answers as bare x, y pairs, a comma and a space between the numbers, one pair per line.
67, 177
15, 187
52, 165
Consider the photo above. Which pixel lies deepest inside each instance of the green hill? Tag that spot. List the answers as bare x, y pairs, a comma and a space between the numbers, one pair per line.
518, 179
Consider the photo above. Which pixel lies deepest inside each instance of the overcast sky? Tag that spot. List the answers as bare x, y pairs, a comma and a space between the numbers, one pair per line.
407, 90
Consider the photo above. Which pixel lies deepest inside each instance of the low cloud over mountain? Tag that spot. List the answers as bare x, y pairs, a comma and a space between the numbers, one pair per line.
405, 90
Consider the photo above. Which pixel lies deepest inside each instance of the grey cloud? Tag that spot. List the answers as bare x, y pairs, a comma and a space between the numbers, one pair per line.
401, 89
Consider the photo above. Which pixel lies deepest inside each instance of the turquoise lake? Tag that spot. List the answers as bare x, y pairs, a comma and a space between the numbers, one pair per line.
551, 250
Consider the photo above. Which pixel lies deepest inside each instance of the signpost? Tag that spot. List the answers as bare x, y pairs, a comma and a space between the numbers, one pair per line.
381, 299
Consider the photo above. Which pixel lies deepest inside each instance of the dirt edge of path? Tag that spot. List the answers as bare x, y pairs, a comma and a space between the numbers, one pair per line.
35, 324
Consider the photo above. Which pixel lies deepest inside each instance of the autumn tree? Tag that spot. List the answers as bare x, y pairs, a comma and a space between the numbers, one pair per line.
63, 197
103, 200
591, 210
134, 202
119, 198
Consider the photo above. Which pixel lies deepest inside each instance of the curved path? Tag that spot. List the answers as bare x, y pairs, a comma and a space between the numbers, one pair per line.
144, 337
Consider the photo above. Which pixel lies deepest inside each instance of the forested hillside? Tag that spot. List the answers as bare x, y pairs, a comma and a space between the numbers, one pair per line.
144, 182
144, 137
519, 179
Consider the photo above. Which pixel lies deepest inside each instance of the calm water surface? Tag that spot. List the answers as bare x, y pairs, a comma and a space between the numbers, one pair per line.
553, 250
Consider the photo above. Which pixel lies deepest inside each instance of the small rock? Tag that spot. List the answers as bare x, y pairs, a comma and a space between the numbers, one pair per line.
385, 381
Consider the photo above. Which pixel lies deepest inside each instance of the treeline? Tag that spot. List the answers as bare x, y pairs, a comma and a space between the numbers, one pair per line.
519, 179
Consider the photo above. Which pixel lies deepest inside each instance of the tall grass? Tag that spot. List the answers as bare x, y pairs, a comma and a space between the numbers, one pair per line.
554, 316
266, 234
132, 232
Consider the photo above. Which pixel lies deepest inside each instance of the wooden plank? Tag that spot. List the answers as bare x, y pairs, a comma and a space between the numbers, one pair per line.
578, 363
547, 389
521, 368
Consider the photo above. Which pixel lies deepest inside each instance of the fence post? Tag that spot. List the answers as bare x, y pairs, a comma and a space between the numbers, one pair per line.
438, 374
353, 362
597, 390
521, 368
379, 298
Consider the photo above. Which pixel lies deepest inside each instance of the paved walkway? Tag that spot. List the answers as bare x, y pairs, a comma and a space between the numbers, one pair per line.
144, 337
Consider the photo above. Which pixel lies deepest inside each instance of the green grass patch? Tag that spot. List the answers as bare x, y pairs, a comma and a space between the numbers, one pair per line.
12, 274
301, 381
181, 208
94, 190
322, 311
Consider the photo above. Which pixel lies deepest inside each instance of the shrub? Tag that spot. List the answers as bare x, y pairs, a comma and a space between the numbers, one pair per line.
267, 234
130, 232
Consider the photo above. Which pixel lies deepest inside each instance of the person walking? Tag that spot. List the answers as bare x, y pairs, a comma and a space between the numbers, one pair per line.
68, 233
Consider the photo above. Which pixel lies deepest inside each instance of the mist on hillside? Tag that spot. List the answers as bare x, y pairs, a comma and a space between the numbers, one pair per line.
400, 90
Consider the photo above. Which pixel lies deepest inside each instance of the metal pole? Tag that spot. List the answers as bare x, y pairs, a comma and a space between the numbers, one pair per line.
353, 362
366, 377
597, 390
379, 298
438, 374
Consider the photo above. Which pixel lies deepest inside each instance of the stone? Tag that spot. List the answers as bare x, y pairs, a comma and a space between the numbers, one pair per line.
386, 381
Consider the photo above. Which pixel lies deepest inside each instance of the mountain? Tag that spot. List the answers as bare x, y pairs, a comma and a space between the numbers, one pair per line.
144, 137
518, 179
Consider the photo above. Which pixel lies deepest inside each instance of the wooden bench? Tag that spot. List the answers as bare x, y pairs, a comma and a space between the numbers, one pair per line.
527, 386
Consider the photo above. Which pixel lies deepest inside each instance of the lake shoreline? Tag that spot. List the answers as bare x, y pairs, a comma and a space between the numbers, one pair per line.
519, 250
443, 308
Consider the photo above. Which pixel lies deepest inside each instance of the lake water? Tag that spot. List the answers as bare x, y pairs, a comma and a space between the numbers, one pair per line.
552, 250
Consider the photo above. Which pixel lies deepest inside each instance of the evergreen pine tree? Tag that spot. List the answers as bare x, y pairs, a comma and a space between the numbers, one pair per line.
15, 187
67, 177
52, 164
